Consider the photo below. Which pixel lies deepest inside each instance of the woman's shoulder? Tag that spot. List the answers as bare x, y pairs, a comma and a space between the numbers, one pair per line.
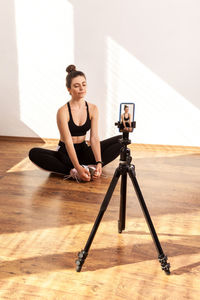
92, 107
62, 111
63, 108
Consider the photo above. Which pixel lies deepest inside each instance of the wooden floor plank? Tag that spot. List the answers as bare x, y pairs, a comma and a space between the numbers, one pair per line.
45, 221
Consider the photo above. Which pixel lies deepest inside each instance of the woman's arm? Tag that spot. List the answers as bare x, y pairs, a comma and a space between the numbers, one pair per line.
94, 140
129, 115
63, 127
123, 121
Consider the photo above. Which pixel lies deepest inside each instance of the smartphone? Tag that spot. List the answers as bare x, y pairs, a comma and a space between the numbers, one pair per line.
126, 117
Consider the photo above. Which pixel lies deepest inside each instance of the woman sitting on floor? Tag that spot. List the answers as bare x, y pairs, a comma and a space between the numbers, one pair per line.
74, 157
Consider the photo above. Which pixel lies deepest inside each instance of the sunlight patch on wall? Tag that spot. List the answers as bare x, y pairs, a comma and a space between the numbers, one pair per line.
45, 43
162, 115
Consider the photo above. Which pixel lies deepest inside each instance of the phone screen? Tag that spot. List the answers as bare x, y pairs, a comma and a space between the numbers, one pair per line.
126, 117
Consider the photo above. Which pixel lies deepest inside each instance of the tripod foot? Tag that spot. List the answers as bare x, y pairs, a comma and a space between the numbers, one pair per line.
80, 261
120, 227
164, 264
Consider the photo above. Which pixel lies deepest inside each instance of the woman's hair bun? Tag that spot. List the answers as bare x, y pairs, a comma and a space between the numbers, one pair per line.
70, 68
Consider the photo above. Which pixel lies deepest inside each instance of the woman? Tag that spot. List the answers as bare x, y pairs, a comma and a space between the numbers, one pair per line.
73, 156
126, 120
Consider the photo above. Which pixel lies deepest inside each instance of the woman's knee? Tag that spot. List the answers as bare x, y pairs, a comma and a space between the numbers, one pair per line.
110, 141
33, 154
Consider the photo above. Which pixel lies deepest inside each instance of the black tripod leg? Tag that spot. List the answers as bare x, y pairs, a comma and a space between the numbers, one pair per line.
83, 254
122, 211
162, 257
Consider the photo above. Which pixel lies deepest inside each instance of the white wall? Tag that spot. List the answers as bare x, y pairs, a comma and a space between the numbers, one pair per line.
139, 51
38, 43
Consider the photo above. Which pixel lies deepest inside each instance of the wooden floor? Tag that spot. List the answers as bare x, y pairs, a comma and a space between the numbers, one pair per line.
45, 221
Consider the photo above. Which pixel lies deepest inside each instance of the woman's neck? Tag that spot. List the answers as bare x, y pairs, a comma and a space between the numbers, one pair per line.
77, 102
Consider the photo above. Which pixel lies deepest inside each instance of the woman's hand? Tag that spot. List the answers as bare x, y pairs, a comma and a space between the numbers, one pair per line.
84, 174
98, 171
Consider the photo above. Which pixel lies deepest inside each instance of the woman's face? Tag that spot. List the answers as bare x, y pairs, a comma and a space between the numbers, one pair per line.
126, 110
78, 87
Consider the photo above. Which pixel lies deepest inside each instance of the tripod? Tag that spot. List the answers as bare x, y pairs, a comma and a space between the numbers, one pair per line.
124, 167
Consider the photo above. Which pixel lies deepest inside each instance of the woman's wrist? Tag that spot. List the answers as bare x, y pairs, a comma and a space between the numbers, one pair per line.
99, 162
78, 167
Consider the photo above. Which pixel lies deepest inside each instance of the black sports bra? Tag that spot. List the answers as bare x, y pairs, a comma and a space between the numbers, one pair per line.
78, 130
126, 119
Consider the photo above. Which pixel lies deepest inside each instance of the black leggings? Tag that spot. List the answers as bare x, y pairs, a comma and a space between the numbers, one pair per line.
59, 161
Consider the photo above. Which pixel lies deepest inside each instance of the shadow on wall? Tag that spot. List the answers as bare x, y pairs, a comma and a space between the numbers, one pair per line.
132, 53
10, 123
